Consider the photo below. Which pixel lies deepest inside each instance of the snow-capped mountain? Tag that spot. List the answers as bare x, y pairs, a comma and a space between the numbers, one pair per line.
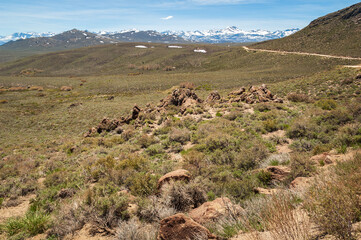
232, 34
17, 36
229, 34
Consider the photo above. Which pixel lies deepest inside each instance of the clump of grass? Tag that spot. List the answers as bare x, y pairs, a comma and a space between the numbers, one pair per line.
33, 223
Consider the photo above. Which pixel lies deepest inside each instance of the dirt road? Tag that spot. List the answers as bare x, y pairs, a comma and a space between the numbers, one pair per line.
300, 53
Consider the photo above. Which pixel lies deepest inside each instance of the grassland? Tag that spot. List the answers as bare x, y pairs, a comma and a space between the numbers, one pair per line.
44, 151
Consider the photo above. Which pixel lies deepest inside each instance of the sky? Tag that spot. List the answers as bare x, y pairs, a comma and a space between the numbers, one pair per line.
114, 15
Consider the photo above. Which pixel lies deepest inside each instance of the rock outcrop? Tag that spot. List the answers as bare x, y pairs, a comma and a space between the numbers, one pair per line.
179, 97
213, 96
211, 211
177, 175
278, 173
253, 95
181, 227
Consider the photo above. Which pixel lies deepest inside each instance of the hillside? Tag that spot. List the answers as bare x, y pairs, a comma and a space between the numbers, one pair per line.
337, 33
125, 58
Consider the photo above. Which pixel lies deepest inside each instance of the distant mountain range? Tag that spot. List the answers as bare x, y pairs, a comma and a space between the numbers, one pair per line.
227, 35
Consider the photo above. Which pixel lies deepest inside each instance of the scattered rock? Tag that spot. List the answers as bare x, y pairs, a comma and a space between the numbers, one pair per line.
301, 183
179, 97
265, 191
74, 105
254, 95
322, 159
36, 88
213, 96
66, 192
211, 211
181, 227
110, 98
17, 89
177, 175
3, 101
107, 125
66, 88
278, 173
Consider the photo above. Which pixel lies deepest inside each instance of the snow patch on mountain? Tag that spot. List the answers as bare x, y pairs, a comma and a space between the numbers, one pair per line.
17, 36
231, 34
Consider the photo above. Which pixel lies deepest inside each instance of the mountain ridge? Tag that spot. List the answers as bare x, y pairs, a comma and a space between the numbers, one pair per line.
337, 33
228, 34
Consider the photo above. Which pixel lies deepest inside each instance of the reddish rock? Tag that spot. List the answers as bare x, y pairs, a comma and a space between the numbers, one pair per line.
278, 173
179, 97
211, 211
181, 227
323, 158
301, 183
177, 175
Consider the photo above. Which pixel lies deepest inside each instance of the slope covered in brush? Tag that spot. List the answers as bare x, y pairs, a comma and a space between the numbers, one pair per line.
337, 33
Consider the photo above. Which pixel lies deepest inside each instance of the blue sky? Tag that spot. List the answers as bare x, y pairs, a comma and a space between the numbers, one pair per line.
95, 15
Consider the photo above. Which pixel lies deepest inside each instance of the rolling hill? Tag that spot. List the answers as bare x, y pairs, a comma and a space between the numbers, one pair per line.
337, 33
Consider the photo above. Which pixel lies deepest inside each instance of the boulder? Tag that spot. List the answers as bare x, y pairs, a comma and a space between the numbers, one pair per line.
181, 227
179, 97
213, 96
36, 88
211, 211
278, 173
254, 95
177, 175
66, 88
321, 159
301, 183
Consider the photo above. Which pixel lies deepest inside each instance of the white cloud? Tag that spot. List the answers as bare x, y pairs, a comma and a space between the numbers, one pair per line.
167, 18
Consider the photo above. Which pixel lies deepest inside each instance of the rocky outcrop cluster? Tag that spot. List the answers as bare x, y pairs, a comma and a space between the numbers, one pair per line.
253, 95
107, 125
183, 97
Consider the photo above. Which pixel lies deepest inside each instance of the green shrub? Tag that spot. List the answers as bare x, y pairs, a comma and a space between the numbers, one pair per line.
33, 223
145, 141
142, 184
179, 135
155, 149
298, 97
334, 207
301, 166
326, 104
270, 125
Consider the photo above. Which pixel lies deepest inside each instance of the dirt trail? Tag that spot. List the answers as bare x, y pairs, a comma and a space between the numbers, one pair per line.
301, 53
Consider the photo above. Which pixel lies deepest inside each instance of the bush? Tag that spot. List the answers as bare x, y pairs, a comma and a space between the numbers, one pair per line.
179, 135
182, 196
142, 184
298, 97
188, 85
326, 104
106, 206
153, 209
145, 141
301, 166
135, 230
34, 222
334, 207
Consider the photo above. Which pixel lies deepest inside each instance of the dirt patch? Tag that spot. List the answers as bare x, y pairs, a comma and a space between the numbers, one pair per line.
17, 211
